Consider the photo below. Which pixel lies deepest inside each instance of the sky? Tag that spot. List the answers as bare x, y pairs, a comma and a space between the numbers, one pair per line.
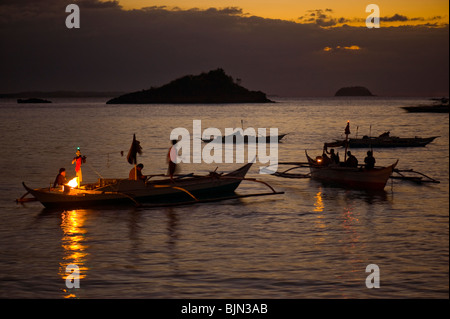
292, 10
287, 47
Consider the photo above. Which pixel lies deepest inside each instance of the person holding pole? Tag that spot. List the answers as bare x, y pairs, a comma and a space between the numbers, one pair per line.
78, 160
172, 159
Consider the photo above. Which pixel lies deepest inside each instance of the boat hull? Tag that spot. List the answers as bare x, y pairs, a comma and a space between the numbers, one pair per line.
428, 109
245, 139
349, 177
137, 192
379, 142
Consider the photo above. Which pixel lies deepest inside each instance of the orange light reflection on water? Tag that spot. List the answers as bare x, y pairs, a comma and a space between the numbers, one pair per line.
72, 242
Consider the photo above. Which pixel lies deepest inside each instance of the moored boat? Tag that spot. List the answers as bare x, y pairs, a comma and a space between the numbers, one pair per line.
117, 191
237, 138
383, 141
351, 177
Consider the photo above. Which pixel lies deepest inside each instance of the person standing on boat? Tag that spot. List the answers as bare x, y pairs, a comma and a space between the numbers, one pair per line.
171, 160
60, 178
369, 160
136, 173
78, 160
352, 161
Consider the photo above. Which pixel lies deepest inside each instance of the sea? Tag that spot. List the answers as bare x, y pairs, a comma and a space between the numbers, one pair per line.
314, 241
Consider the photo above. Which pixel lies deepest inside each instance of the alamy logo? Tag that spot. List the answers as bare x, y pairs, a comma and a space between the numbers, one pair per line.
233, 142
73, 277
73, 19
373, 19
373, 280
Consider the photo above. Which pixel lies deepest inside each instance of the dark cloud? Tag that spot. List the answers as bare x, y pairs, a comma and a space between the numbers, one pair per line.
96, 4
322, 18
394, 18
116, 49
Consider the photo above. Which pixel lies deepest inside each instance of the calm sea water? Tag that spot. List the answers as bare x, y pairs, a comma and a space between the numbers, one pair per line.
311, 242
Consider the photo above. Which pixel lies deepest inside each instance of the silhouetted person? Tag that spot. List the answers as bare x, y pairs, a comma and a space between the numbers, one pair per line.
334, 158
171, 159
352, 161
369, 160
60, 178
136, 173
325, 159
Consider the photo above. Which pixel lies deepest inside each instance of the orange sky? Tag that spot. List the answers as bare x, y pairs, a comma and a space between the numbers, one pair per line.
352, 10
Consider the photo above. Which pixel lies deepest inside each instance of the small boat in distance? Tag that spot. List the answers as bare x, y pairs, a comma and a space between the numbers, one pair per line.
33, 100
351, 177
383, 141
238, 138
441, 105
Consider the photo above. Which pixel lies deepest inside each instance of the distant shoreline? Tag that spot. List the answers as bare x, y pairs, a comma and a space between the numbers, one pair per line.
61, 94
109, 94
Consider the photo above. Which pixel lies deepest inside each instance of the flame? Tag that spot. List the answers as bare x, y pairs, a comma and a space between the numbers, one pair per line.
73, 183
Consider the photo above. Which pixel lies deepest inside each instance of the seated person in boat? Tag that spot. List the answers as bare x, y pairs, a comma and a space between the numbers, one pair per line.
325, 159
60, 178
136, 173
369, 160
334, 157
351, 161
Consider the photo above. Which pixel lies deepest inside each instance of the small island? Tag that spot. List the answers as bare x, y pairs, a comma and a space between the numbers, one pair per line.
353, 91
213, 87
33, 100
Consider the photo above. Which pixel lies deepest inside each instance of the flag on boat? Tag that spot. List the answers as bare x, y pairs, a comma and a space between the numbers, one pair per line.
347, 128
134, 150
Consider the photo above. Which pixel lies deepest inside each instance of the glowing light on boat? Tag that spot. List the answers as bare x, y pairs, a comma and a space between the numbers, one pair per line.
73, 183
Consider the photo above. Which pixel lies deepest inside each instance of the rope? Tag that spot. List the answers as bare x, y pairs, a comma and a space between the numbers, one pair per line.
90, 166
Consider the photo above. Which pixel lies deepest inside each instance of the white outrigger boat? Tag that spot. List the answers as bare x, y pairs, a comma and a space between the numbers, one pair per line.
351, 177
182, 190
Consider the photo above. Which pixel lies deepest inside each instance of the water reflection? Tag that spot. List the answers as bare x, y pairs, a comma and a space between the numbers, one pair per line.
338, 224
173, 236
73, 244
318, 205
319, 222
352, 246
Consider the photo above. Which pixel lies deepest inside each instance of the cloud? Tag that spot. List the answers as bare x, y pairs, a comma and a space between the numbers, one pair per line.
12, 11
129, 50
322, 18
340, 48
394, 18
325, 19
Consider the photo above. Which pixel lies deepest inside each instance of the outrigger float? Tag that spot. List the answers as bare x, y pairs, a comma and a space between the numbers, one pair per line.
183, 190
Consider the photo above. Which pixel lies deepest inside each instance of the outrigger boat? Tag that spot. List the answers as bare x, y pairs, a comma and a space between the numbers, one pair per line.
183, 190
384, 140
351, 177
238, 138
